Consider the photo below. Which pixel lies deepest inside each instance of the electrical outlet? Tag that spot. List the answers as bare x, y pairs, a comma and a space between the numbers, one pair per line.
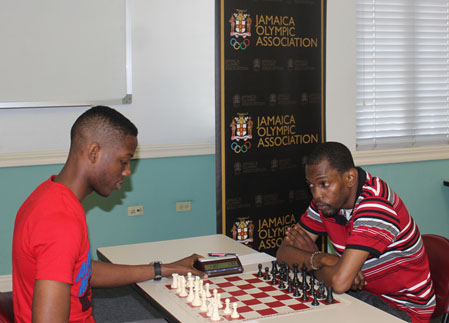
185, 206
135, 210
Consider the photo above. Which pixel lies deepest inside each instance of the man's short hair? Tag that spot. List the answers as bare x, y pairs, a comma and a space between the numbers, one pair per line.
337, 154
106, 123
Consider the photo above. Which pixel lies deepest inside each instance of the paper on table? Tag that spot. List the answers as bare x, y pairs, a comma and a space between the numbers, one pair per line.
255, 258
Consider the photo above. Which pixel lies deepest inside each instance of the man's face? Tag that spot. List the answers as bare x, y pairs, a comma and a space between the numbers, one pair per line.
113, 166
328, 188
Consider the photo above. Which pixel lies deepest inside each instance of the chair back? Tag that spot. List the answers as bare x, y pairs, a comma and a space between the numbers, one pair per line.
437, 249
6, 308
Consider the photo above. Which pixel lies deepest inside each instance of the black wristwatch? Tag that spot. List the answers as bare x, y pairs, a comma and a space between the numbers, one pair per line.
157, 270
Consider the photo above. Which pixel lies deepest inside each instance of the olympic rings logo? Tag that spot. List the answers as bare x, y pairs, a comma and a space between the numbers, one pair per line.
244, 44
241, 148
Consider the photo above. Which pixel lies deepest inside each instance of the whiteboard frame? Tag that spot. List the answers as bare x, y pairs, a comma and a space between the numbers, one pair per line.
127, 99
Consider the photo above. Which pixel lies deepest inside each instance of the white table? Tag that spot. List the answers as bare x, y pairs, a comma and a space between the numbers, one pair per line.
352, 310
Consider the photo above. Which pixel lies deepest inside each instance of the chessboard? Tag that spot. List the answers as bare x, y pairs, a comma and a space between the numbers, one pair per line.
256, 297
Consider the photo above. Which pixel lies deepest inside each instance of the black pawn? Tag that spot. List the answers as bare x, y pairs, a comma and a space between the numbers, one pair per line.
267, 274
304, 297
312, 284
315, 299
295, 273
330, 296
274, 280
296, 292
321, 291
290, 285
281, 284
259, 273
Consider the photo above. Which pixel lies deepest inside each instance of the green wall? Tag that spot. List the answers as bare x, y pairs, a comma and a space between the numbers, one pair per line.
420, 185
159, 183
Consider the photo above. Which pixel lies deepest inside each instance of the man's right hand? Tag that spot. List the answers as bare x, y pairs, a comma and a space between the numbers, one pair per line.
182, 267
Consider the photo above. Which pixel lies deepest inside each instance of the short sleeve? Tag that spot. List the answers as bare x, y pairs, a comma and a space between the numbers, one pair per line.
56, 245
375, 227
311, 221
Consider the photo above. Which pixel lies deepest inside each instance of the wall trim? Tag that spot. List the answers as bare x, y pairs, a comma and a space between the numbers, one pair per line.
5, 283
403, 155
142, 152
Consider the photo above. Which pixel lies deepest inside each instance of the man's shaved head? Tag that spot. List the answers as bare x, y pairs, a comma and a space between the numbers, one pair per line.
101, 124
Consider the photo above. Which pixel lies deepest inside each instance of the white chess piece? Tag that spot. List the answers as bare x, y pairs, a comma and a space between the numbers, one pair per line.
178, 289
227, 309
191, 295
215, 313
219, 303
210, 307
174, 283
208, 294
183, 292
235, 314
203, 307
196, 298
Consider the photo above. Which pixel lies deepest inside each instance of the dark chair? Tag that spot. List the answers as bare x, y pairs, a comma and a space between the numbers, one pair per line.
6, 309
437, 249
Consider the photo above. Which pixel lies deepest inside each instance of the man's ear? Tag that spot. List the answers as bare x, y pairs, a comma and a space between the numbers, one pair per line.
351, 177
93, 152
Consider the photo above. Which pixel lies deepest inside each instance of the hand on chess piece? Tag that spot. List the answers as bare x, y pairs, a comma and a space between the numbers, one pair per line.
298, 238
359, 281
183, 266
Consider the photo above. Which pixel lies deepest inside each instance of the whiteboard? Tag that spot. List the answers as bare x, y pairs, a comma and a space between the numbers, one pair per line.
63, 53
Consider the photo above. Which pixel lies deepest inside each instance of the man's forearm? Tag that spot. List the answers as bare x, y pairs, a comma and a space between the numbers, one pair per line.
291, 256
112, 275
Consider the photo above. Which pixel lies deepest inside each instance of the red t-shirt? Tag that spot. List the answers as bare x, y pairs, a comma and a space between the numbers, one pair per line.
50, 242
397, 268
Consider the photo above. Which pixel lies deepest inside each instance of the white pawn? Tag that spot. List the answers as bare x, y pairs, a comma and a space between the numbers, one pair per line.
183, 292
215, 313
235, 314
189, 278
203, 307
178, 288
191, 295
227, 309
174, 283
196, 299
219, 303
208, 294
210, 307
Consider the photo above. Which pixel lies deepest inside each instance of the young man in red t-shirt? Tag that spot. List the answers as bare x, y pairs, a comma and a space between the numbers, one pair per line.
379, 250
52, 268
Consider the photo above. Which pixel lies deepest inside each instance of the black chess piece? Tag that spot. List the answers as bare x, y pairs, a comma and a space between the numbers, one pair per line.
295, 274
312, 284
274, 280
267, 274
304, 297
296, 292
321, 290
281, 284
315, 299
330, 296
259, 273
274, 269
289, 285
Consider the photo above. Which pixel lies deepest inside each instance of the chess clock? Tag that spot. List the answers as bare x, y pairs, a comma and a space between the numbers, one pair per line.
218, 266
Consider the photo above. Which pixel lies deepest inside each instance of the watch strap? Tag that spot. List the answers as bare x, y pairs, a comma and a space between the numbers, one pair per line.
157, 270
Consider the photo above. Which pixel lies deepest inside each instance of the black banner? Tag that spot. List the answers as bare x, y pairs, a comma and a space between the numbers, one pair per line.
270, 114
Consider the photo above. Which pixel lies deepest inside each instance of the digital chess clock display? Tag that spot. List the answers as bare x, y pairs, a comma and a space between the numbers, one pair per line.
219, 266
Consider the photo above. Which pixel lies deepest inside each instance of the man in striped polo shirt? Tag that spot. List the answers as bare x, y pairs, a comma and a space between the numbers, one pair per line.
380, 256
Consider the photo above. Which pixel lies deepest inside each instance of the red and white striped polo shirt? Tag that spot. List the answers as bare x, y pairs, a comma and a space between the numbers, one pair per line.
397, 268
